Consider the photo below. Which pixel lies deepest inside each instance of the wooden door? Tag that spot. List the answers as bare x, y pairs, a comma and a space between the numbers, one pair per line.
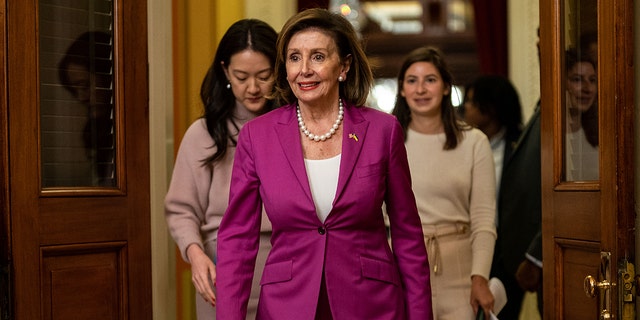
77, 149
588, 221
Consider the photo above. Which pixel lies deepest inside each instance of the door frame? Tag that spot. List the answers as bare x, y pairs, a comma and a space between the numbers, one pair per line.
5, 245
616, 186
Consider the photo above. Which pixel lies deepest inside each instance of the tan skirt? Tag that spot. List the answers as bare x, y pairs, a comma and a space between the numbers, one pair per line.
449, 249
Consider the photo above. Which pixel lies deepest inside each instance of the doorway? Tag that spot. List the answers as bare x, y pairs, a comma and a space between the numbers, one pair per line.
588, 186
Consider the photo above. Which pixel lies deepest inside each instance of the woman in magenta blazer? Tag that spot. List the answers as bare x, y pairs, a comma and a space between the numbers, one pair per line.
323, 193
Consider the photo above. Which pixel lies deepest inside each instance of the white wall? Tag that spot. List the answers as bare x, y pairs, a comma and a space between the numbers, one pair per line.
273, 12
524, 68
161, 155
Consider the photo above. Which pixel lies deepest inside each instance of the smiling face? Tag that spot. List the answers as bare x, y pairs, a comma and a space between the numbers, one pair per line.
313, 66
582, 85
251, 77
424, 89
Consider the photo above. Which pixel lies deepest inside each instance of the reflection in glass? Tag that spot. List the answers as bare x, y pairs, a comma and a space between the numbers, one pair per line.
76, 94
581, 159
581, 118
86, 72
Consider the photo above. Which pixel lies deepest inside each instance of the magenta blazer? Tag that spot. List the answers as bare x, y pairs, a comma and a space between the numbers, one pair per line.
365, 278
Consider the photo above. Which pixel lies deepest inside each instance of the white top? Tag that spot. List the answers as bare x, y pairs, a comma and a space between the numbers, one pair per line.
456, 185
582, 157
323, 180
497, 147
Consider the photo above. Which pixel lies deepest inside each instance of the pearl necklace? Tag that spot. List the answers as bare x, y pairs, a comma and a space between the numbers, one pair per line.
325, 136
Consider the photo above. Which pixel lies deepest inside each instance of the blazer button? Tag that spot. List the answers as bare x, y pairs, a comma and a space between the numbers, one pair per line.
321, 230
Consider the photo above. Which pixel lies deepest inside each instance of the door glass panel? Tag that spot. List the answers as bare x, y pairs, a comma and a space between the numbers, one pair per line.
581, 155
76, 93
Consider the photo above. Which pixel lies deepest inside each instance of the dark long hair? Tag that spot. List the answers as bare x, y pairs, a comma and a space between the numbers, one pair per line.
219, 102
91, 50
495, 96
453, 127
356, 87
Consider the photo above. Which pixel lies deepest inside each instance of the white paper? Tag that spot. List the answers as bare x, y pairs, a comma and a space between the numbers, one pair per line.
499, 294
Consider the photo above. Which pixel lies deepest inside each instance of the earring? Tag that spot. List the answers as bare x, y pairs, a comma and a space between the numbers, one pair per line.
340, 79
228, 85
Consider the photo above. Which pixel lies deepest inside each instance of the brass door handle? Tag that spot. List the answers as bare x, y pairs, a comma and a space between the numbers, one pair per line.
590, 286
602, 289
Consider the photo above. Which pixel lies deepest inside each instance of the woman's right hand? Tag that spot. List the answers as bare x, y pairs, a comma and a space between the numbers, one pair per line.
481, 296
203, 273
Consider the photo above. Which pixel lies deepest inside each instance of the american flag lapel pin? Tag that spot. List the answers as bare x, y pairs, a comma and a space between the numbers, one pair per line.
353, 136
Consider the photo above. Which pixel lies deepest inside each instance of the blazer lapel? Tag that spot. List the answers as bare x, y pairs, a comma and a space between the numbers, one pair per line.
353, 137
289, 137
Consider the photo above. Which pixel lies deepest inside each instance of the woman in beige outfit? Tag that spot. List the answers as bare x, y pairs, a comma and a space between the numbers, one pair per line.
453, 180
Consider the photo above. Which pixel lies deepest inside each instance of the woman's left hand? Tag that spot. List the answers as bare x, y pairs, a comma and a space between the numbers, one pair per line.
481, 296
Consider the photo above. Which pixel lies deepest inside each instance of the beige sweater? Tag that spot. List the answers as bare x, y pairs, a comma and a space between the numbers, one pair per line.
198, 195
457, 186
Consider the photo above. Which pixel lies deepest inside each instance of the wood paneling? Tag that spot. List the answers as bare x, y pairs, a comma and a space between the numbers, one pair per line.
95, 271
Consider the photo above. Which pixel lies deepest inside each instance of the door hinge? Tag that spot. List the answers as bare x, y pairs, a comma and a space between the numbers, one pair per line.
628, 290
